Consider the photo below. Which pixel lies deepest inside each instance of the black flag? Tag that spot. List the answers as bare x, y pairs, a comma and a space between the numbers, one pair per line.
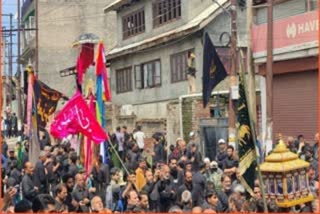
247, 151
46, 101
213, 70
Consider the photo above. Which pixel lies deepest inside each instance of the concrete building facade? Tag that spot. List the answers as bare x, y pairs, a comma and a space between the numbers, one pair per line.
159, 50
295, 55
60, 23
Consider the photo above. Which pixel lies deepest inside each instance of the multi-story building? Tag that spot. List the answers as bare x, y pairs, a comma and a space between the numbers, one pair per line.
295, 55
60, 22
148, 66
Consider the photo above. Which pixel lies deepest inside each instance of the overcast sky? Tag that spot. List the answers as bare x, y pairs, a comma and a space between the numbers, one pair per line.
10, 6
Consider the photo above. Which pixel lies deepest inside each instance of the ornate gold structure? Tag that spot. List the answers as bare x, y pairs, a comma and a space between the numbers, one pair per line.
285, 177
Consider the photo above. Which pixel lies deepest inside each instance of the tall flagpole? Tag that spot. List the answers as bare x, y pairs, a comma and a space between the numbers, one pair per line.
253, 131
318, 85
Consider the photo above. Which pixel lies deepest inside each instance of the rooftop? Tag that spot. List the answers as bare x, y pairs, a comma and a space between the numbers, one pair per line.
190, 27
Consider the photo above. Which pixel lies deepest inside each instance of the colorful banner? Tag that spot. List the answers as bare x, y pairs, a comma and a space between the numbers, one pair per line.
101, 70
29, 100
76, 117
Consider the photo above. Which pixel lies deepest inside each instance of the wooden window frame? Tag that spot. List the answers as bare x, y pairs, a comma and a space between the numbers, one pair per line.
124, 80
141, 75
179, 74
137, 18
165, 11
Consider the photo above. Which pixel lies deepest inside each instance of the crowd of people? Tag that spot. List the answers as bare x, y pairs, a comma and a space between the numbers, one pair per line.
153, 179
9, 125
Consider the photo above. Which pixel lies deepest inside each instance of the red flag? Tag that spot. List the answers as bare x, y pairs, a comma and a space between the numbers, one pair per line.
85, 59
88, 153
76, 117
102, 70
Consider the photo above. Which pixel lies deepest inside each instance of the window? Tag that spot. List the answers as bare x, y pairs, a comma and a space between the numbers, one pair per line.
123, 80
148, 75
133, 24
165, 11
311, 5
179, 64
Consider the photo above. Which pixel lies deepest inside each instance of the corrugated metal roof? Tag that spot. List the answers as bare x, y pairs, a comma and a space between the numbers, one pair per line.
192, 26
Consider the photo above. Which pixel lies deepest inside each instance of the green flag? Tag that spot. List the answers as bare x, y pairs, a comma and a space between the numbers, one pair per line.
246, 144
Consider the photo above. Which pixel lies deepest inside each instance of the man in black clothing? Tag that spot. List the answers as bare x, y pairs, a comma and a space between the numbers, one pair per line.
132, 200
4, 148
222, 153
40, 174
60, 199
175, 175
101, 178
43, 203
230, 164
15, 173
14, 121
224, 194
72, 204
200, 179
82, 194
149, 187
72, 168
29, 190
167, 195
211, 201
23, 206
191, 187
158, 151
195, 157
11, 158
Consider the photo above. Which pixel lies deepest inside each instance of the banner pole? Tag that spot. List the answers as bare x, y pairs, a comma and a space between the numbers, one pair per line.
253, 136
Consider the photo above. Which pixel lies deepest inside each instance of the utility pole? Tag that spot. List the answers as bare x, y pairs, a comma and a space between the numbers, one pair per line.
269, 74
10, 63
19, 70
250, 69
233, 74
37, 38
1, 97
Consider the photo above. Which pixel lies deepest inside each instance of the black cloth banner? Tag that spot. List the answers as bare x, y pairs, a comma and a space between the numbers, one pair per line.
213, 70
46, 101
246, 144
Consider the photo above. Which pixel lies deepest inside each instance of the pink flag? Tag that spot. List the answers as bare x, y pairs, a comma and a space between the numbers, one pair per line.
29, 101
76, 117
88, 153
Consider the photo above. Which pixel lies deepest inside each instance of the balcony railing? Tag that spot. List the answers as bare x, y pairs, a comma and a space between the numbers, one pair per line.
25, 7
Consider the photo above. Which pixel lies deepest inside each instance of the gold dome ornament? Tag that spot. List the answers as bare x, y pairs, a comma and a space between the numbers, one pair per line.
285, 177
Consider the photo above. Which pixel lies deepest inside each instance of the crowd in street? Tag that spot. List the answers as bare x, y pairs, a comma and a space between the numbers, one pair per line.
175, 178
9, 125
